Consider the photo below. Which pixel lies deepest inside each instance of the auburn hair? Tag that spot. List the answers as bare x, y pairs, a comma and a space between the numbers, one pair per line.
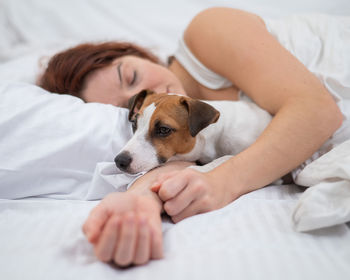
66, 71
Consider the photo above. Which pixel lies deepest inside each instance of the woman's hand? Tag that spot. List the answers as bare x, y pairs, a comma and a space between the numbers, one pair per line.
188, 192
125, 228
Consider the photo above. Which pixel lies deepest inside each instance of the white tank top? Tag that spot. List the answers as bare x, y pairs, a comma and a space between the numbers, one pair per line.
198, 70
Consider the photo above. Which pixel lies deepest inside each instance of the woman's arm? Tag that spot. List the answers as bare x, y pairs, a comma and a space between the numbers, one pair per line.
305, 114
126, 227
237, 45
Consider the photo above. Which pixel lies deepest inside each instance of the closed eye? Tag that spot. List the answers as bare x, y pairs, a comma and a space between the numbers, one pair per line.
120, 73
134, 77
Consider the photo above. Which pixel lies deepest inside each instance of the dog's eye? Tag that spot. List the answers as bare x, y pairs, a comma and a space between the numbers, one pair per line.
163, 131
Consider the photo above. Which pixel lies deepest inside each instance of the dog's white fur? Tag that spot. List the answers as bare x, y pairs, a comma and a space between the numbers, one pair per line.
239, 125
144, 155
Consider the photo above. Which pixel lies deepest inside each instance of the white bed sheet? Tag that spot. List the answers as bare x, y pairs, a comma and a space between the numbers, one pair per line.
252, 238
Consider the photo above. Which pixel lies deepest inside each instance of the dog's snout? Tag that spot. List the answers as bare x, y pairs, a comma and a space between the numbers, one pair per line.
123, 161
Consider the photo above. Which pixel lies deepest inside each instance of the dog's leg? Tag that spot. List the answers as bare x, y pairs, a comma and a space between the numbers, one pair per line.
211, 165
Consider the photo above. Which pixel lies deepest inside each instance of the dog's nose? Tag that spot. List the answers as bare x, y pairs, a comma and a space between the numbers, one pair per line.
123, 161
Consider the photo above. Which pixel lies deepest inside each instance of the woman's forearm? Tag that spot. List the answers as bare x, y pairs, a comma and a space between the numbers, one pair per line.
142, 185
295, 133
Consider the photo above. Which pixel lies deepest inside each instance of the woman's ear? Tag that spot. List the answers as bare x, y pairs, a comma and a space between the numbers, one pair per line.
135, 102
200, 114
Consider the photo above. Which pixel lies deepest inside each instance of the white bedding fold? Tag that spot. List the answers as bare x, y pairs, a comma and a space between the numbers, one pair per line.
327, 200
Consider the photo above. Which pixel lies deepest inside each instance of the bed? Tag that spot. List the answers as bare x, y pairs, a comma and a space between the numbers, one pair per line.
56, 154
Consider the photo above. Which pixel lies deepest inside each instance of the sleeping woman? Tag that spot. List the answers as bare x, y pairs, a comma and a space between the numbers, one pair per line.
224, 54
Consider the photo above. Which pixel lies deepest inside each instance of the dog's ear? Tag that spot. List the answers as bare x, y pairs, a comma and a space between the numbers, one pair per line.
200, 114
136, 102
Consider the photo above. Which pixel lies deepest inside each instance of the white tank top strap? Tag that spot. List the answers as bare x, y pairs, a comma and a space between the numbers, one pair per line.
197, 70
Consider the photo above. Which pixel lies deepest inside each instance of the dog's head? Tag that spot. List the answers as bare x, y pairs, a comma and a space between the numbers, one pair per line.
164, 126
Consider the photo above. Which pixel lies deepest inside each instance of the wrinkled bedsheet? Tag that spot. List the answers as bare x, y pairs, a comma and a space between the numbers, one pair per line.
252, 238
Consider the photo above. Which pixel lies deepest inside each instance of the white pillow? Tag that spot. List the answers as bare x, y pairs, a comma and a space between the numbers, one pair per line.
50, 144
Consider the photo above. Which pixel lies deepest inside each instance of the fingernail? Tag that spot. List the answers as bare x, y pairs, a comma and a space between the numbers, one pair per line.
155, 187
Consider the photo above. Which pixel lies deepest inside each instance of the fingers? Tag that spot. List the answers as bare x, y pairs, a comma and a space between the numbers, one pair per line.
161, 178
190, 188
196, 207
172, 186
139, 242
127, 242
129, 239
177, 204
105, 248
142, 254
95, 222
155, 187
156, 243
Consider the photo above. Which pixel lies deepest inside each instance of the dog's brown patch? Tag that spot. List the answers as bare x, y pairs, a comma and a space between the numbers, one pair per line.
171, 113
182, 116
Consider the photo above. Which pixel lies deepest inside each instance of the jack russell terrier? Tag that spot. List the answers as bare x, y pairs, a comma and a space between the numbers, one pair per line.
169, 127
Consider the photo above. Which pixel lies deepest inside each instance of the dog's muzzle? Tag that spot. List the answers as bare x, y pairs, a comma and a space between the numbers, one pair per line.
123, 161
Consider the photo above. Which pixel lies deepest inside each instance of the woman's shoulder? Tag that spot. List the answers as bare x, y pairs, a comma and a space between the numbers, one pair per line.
219, 13
222, 37
220, 18
220, 25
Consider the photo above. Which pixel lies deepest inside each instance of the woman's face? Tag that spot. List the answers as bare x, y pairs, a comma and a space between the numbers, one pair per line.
127, 76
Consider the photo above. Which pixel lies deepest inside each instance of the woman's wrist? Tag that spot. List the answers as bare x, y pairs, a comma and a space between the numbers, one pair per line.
234, 178
142, 186
142, 189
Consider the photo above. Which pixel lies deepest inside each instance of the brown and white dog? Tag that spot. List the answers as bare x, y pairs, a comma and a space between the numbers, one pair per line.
170, 127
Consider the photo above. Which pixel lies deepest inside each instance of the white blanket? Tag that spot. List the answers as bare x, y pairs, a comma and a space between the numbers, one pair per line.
327, 200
